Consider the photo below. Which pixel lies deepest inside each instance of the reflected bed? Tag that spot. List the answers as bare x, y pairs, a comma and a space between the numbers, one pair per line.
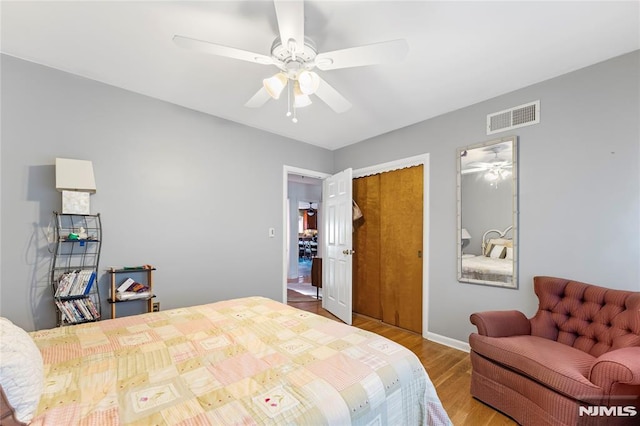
496, 263
485, 268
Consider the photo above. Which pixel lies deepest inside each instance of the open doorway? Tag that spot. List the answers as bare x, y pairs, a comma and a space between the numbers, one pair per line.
300, 284
303, 189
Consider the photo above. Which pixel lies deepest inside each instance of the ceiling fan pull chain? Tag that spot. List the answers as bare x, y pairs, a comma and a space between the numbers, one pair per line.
289, 100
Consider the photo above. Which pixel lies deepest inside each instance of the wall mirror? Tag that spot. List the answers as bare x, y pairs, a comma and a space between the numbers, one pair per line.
488, 213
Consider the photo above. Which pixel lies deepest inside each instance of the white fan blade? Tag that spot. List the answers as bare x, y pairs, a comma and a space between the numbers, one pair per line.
473, 170
220, 50
500, 164
370, 54
331, 97
290, 16
260, 98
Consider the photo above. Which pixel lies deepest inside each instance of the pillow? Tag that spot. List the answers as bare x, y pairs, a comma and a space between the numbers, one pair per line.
496, 241
7, 413
498, 252
509, 254
21, 370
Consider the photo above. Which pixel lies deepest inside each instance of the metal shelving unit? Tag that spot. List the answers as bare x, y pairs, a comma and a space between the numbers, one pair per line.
74, 267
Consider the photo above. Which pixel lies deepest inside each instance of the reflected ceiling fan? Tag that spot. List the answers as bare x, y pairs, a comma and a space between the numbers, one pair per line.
296, 57
495, 169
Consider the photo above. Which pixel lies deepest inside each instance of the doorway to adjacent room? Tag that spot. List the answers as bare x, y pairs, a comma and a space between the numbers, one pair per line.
304, 234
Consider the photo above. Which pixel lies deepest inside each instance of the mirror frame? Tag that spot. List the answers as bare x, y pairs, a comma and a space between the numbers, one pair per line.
514, 220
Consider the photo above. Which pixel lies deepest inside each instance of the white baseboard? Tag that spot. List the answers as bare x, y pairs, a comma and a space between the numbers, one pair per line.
448, 341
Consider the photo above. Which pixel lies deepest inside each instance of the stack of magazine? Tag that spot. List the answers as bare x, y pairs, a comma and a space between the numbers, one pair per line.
72, 296
78, 310
75, 283
130, 290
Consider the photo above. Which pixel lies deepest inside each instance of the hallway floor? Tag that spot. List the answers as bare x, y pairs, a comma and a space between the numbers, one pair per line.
302, 284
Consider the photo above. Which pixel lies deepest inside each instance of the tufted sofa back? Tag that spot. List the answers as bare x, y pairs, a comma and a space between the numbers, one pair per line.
590, 318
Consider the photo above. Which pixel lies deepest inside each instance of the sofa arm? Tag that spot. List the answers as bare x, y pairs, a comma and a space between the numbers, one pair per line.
618, 366
501, 323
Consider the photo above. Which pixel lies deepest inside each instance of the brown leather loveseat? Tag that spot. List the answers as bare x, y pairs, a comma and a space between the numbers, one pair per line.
575, 362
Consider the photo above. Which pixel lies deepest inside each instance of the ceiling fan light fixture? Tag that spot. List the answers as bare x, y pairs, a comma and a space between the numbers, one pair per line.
491, 176
300, 99
275, 84
308, 82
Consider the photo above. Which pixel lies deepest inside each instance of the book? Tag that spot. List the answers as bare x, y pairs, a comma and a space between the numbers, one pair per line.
72, 311
125, 285
77, 279
137, 288
81, 282
65, 281
92, 278
80, 305
132, 295
66, 315
92, 308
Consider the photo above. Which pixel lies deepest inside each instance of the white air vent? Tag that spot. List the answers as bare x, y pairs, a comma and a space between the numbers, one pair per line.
512, 118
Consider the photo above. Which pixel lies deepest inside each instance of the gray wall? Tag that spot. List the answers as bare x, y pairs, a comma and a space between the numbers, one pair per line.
192, 194
579, 188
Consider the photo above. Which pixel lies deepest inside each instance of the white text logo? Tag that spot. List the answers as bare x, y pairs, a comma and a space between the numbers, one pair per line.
604, 411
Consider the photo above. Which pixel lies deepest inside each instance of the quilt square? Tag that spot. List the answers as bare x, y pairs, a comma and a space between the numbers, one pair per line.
275, 402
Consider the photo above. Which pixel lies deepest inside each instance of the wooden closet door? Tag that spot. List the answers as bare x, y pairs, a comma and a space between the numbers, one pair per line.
401, 214
366, 243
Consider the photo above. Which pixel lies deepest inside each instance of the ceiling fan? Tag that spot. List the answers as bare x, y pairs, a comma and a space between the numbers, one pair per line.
296, 56
310, 207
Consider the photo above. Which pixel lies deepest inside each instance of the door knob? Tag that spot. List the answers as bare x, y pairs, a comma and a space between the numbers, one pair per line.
348, 251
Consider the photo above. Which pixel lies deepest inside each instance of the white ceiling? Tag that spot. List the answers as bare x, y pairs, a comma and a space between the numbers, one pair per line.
460, 53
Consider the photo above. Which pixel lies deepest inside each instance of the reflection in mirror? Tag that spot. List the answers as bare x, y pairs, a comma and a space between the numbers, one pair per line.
487, 213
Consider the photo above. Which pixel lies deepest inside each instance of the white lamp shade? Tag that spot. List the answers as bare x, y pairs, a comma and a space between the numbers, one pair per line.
75, 175
275, 85
465, 234
300, 100
308, 82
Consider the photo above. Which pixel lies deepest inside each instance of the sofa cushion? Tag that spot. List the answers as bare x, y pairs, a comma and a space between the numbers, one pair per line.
557, 366
590, 318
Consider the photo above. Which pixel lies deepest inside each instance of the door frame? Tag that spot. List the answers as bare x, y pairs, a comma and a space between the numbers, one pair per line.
422, 159
416, 160
286, 171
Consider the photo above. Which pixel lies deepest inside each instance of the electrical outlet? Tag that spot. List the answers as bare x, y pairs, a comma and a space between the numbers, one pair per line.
156, 306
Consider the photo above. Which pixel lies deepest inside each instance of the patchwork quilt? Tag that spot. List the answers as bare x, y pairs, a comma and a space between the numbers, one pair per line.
242, 362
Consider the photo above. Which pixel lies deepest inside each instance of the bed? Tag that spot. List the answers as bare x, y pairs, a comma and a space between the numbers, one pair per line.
495, 264
243, 361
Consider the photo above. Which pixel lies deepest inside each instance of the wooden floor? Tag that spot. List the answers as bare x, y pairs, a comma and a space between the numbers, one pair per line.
448, 368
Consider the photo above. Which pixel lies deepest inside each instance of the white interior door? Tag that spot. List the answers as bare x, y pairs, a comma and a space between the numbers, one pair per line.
337, 264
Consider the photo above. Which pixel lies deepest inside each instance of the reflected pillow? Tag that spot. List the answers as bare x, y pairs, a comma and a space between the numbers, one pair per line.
509, 254
501, 241
498, 252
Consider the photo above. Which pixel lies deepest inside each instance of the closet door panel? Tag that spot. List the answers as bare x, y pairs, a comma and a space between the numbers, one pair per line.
401, 213
366, 243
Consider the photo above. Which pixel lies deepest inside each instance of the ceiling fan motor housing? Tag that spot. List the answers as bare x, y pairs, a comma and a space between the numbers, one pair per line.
294, 64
